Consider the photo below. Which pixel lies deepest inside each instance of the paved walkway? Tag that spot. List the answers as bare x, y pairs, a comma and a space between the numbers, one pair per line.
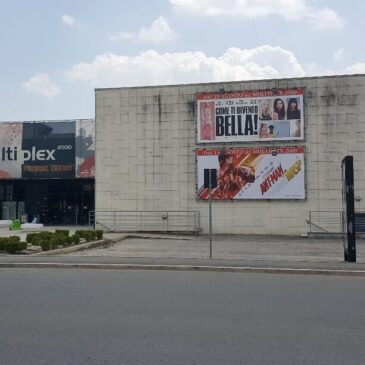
248, 251
248, 247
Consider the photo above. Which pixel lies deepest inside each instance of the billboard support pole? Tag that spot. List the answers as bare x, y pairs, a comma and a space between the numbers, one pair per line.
210, 182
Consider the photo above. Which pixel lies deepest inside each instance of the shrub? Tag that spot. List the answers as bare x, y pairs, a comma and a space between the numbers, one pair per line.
69, 241
32, 238
76, 238
3, 242
14, 239
46, 246
12, 244
22, 245
63, 239
45, 235
56, 240
36, 238
48, 240
99, 234
10, 247
80, 232
88, 234
64, 232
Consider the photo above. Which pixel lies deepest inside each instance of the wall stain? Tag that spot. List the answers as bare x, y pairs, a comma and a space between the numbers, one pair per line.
191, 107
157, 99
329, 97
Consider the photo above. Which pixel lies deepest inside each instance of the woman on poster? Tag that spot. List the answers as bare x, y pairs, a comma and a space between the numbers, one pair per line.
279, 110
264, 131
265, 110
207, 125
293, 111
298, 129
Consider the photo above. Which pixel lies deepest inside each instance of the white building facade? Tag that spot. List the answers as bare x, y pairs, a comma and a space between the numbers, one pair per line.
153, 144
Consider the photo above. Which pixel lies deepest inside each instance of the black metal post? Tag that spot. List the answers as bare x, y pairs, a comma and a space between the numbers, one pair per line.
210, 182
348, 186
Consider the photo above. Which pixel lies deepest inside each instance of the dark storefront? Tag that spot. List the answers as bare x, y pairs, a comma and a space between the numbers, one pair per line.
47, 171
50, 201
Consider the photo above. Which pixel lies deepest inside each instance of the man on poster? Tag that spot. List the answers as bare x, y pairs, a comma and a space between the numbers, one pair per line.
231, 178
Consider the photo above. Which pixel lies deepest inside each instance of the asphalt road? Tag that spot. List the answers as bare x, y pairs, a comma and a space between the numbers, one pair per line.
152, 317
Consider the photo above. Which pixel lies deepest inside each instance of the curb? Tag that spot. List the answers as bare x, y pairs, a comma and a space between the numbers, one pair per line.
261, 270
155, 236
97, 244
80, 247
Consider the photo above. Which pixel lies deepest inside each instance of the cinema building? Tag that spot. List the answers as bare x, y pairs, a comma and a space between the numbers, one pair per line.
276, 146
47, 171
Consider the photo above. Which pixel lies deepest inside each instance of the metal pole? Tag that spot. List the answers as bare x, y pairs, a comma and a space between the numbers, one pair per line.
347, 167
350, 210
210, 213
310, 221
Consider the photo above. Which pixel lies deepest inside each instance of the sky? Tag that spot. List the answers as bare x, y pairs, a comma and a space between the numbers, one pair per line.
56, 52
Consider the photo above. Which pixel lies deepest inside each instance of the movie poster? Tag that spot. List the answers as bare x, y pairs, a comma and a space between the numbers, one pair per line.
85, 148
10, 150
249, 116
253, 173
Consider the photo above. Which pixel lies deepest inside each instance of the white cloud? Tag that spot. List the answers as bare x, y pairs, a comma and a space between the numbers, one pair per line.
158, 32
153, 68
315, 69
322, 19
245, 8
41, 84
357, 68
339, 54
121, 36
326, 19
69, 21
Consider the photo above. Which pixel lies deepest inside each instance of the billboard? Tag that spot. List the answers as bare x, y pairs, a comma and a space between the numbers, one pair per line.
249, 116
85, 148
253, 173
47, 149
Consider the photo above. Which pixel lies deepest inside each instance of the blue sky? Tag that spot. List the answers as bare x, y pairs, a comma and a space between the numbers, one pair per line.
54, 53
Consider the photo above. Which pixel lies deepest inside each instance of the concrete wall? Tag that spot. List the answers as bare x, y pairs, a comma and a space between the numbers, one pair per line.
146, 140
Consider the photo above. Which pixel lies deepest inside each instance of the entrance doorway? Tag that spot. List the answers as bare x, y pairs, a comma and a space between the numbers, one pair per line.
51, 201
